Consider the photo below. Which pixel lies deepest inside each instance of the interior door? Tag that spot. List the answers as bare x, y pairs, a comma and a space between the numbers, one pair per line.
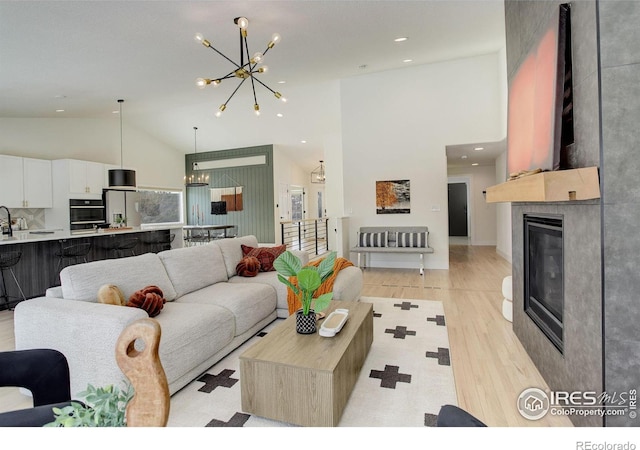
284, 210
458, 209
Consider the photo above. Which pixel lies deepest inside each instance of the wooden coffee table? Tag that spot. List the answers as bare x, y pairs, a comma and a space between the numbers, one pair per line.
306, 379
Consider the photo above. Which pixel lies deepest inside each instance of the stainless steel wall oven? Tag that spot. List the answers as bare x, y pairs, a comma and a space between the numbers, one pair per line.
85, 215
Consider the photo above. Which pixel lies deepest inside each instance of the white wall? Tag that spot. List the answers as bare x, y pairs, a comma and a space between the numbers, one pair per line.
503, 213
396, 125
156, 164
483, 214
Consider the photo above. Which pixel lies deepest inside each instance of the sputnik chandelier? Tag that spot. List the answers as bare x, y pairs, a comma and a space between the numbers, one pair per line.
246, 69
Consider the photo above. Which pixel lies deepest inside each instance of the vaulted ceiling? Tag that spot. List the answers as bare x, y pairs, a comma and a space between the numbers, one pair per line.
81, 56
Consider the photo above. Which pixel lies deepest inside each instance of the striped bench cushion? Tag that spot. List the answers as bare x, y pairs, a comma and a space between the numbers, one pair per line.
411, 239
373, 239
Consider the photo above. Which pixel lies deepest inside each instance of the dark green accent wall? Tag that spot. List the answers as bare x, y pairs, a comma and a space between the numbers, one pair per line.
257, 216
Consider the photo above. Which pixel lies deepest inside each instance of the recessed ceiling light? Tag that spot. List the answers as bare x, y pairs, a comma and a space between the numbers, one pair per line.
303, 142
400, 39
464, 157
115, 112
407, 60
478, 148
279, 115
475, 164
59, 110
281, 82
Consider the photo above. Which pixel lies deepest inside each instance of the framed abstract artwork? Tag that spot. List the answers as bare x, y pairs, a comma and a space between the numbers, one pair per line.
393, 197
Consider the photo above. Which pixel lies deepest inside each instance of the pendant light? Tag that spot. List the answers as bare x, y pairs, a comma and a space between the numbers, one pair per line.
194, 180
318, 175
122, 178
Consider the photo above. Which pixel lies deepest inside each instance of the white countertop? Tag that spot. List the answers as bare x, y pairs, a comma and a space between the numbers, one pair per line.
24, 236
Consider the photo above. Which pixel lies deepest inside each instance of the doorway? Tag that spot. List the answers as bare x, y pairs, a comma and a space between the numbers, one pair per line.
296, 194
458, 209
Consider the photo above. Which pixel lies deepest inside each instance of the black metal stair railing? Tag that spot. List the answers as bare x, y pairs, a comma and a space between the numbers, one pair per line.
306, 235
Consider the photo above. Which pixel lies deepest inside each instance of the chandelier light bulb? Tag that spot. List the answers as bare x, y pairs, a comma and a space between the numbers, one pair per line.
256, 109
221, 110
202, 82
257, 58
199, 37
263, 69
275, 39
243, 23
216, 83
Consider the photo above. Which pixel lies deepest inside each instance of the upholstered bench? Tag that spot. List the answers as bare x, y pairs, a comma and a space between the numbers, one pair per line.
413, 240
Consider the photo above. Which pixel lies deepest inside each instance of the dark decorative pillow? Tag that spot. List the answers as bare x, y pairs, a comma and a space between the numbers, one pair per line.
151, 299
406, 239
249, 266
266, 255
373, 239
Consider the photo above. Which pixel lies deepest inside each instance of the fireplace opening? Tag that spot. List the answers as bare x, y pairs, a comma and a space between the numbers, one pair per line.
544, 274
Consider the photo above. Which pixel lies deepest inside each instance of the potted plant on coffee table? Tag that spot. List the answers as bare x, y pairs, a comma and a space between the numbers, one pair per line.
308, 280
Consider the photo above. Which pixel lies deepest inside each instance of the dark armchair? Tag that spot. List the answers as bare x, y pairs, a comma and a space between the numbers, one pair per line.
45, 373
452, 416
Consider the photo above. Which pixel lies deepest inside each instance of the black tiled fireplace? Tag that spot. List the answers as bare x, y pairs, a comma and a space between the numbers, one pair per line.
544, 274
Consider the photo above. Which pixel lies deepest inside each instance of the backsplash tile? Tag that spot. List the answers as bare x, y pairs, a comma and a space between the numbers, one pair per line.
34, 217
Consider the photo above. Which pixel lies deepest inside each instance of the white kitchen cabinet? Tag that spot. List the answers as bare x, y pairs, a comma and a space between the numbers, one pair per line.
11, 190
85, 177
37, 183
25, 182
73, 179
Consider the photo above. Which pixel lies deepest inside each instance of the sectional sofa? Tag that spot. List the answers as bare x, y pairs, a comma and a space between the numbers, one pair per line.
209, 312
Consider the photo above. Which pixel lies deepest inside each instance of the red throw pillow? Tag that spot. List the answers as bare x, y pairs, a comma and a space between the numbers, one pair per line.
151, 299
249, 266
266, 255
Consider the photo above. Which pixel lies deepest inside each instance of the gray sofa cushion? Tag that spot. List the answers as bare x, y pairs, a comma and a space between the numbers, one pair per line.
249, 303
191, 335
192, 268
232, 251
82, 281
270, 278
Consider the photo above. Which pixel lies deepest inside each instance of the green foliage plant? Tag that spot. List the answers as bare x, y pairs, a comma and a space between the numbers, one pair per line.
310, 278
104, 407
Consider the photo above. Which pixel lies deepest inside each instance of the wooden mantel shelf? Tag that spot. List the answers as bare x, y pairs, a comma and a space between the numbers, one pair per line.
554, 186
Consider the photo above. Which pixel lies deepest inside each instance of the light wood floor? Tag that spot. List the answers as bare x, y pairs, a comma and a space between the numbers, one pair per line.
490, 365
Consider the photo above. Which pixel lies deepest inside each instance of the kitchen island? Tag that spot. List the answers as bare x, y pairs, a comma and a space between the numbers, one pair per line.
37, 269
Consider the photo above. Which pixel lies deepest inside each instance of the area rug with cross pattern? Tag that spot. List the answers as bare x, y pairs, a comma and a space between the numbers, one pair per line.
406, 377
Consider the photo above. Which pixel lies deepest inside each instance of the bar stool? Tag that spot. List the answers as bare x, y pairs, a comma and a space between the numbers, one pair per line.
126, 244
7, 261
72, 254
165, 244
159, 241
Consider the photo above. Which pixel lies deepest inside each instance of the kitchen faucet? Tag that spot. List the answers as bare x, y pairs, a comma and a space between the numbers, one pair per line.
8, 220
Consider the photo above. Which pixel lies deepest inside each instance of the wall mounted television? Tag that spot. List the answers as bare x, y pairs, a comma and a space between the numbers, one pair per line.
540, 114
218, 208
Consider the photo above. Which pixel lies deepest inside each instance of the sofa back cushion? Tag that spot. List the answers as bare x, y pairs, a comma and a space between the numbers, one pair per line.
192, 268
82, 281
232, 251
